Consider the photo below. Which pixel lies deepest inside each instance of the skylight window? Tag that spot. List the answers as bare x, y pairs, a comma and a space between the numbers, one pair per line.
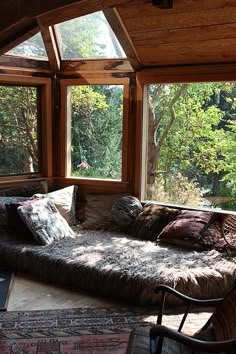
32, 47
88, 37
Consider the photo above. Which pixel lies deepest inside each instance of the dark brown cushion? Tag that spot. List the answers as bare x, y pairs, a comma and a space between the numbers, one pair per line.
198, 229
151, 221
15, 222
224, 317
3, 210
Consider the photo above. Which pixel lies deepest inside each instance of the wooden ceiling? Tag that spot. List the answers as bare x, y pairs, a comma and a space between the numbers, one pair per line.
192, 32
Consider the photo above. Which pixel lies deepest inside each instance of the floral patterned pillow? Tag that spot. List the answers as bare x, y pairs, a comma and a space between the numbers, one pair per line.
44, 221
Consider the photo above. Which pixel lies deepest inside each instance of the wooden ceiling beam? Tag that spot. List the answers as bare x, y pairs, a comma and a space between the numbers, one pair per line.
18, 35
51, 46
12, 61
12, 11
123, 37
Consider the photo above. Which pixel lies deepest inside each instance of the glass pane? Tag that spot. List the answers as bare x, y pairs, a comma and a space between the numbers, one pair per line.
88, 36
192, 144
33, 47
18, 130
96, 131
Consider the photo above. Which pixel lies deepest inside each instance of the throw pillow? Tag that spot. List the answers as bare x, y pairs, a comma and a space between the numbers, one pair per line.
65, 200
97, 211
3, 210
152, 220
189, 229
15, 223
44, 221
26, 190
125, 210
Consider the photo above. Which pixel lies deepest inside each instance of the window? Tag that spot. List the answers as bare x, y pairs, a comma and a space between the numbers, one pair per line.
191, 144
32, 47
88, 37
19, 150
96, 125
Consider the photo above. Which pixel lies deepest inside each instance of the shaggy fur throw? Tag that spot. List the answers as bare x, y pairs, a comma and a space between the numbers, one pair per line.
113, 264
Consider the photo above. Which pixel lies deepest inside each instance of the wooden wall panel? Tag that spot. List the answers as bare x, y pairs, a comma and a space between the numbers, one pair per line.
223, 50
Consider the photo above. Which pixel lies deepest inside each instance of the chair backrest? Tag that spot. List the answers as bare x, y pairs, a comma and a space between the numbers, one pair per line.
224, 317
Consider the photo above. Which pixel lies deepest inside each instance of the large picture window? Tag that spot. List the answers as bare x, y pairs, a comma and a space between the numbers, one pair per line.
19, 150
191, 144
96, 124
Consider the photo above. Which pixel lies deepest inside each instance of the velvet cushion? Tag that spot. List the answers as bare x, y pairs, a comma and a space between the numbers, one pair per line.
151, 221
97, 211
65, 201
224, 317
3, 210
26, 190
44, 221
191, 229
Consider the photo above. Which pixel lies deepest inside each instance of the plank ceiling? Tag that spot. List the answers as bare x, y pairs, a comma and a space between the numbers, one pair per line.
192, 32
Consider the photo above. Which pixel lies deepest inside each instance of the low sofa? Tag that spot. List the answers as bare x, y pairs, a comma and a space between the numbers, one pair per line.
115, 260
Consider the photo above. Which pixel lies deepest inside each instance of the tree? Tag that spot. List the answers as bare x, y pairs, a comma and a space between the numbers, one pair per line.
18, 129
97, 130
186, 132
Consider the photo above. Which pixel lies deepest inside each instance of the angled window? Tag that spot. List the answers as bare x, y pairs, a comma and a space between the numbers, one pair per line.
191, 144
32, 47
88, 37
96, 121
19, 143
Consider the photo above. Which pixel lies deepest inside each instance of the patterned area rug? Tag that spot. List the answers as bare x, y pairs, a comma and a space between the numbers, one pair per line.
72, 331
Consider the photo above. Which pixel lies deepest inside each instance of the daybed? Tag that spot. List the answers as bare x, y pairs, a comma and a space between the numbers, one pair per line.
117, 265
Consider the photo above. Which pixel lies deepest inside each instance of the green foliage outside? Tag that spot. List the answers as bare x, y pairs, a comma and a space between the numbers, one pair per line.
18, 130
97, 113
194, 137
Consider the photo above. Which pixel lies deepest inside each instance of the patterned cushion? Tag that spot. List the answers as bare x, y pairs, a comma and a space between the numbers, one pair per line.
65, 200
3, 210
44, 221
26, 190
151, 221
224, 318
125, 210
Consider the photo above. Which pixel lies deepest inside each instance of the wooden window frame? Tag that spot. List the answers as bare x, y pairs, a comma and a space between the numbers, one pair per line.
172, 75
45, 126
64, 149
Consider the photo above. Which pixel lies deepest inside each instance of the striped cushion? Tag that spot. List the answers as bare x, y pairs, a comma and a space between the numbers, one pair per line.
224, 318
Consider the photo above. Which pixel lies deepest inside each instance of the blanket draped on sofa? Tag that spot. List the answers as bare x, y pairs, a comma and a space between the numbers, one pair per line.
115, 265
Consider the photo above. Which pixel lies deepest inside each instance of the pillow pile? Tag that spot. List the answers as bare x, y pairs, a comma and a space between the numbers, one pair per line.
64, 200
38, 217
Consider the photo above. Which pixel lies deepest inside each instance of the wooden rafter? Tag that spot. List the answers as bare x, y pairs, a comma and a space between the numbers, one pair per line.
122, 35
50, 46
18, 34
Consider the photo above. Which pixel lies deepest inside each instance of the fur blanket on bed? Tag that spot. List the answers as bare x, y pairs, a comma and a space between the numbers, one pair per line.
113, 264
